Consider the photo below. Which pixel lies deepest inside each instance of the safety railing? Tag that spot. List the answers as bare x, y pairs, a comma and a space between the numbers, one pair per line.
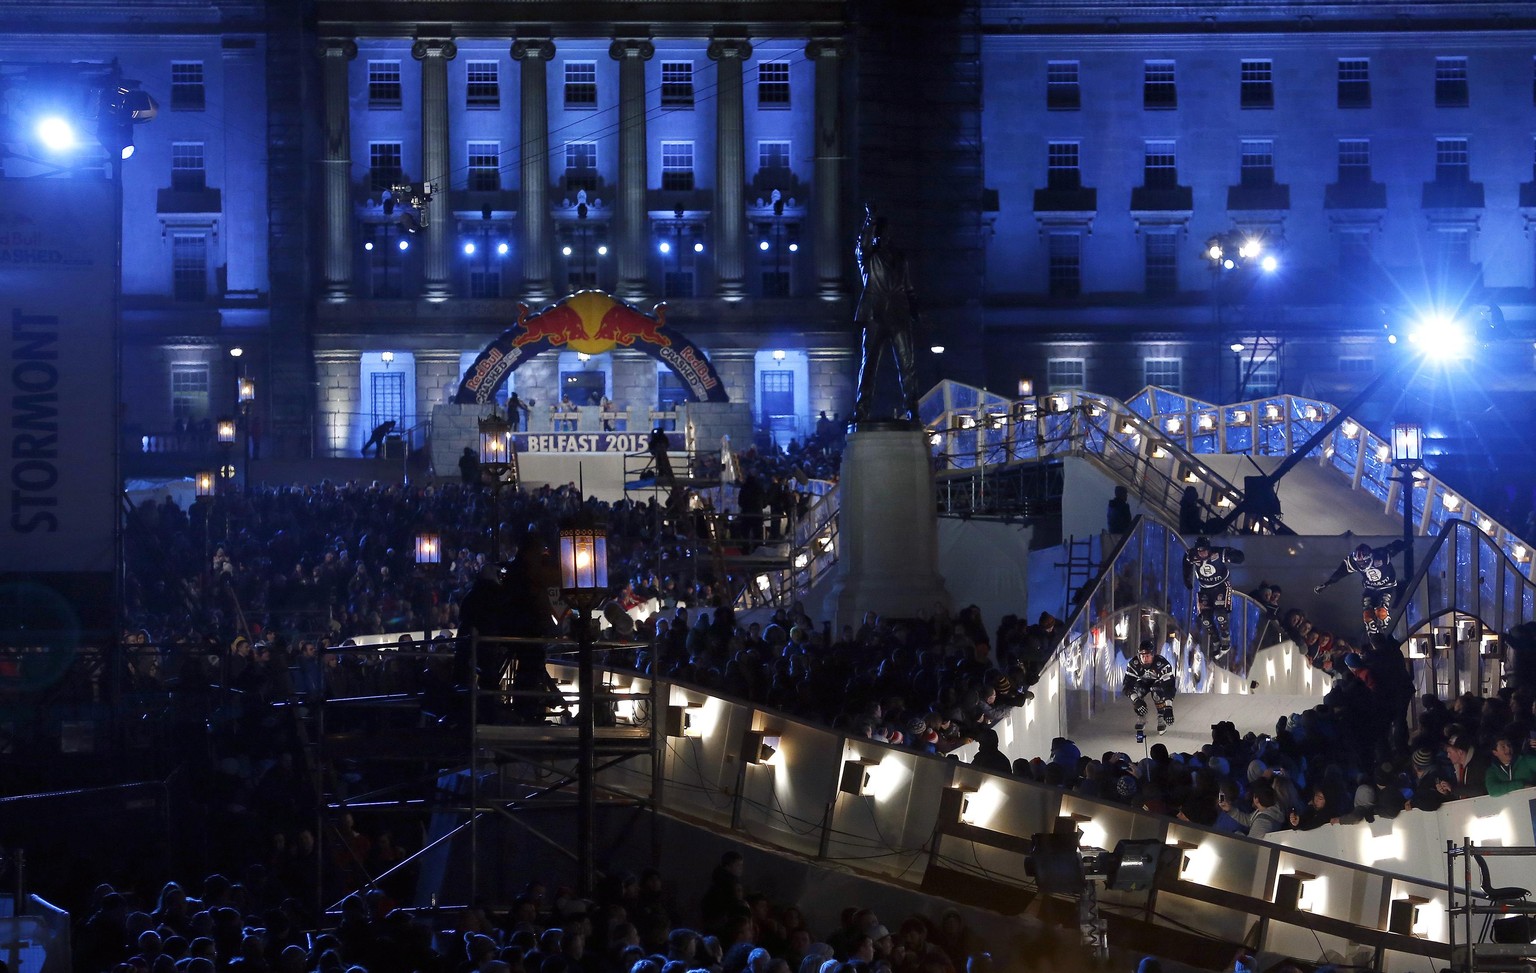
1465, 595
1139, 593
1276, 425
973, 430
811, 556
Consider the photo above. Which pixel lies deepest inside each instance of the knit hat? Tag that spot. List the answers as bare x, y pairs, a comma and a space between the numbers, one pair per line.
1002, 684
1354, 661
1422, 759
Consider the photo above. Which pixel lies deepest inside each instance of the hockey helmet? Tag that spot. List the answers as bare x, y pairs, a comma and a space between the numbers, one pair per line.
1146, 648
1202, 543
1361, 555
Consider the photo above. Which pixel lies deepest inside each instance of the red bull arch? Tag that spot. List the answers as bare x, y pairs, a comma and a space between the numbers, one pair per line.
592, 322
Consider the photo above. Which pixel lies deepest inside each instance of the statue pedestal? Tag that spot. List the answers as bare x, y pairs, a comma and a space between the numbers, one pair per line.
888, 534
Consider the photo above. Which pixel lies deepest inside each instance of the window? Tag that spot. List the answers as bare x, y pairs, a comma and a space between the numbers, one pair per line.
1165, 373
581, 84
1158, 89
187, 170
1350, 365
1066, 264
677, 84
384, 169
775, 282
1258, 84
483, 85
1162, 263
1354, 160
383, 84
189, 266
1453, 248
1061, 88
1451, 163
670, 390
187, 93
189, 391
386, 267
773, 154
1061, 166
1354, 82
1159, 164
485, 282
776, 394
1258, 162
773, 84
484, 166
388, 397
677, 165
580, 166
1063, 374
1450, 82
1261, 377
1354, 251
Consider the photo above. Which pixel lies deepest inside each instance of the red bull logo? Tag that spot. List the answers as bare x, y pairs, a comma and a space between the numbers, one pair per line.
624, 326
558, 325
592, 322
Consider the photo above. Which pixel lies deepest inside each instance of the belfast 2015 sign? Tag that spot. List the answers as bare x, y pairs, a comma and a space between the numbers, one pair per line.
589, 442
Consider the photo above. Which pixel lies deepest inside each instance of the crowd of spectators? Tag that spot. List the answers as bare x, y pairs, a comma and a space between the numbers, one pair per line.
252, 591
632, 924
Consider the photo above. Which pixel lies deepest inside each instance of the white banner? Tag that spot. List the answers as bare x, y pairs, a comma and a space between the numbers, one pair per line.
57, 367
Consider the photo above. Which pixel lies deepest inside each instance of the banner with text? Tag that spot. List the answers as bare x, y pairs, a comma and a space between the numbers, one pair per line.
590, 442
57, 467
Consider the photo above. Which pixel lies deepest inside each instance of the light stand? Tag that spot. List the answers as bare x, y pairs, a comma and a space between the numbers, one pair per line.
498, 460
429, 552
1407, 458
583, 585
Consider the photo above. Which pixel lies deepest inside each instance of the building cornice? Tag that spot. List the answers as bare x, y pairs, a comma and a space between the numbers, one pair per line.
599, 18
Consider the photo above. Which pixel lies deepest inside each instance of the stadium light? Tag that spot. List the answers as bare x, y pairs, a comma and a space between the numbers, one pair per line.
1439, 336
56, 134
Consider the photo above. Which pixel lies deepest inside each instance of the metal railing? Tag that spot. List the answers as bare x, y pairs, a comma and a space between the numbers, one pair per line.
1275, 425
981, 432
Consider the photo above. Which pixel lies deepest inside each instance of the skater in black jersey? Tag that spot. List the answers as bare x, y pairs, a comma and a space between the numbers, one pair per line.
1208, 568
1150, 674
1378, 583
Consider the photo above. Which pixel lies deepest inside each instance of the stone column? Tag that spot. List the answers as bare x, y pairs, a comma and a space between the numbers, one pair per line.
730, 168
339, 405
535, 54
437, 379
434, 56
632, 250
826, 190
336, 53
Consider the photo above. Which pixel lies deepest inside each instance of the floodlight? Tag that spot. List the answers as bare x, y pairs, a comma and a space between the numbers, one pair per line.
502, 248
405, 244
664, 247
469, 249
56, 134
1439, 336
1269, 263
698, 248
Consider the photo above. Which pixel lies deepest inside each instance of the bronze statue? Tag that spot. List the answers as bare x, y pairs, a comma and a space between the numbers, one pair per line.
888, 314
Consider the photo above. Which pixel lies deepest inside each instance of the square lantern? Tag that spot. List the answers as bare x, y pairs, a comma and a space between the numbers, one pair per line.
225, 428
583, 563
206, 483
1407, 445
245, 390
429, 548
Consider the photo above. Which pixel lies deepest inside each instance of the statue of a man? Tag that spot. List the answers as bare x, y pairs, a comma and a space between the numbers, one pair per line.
888, 314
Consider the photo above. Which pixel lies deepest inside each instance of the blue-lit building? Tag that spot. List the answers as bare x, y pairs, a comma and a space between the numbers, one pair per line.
1057, 174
